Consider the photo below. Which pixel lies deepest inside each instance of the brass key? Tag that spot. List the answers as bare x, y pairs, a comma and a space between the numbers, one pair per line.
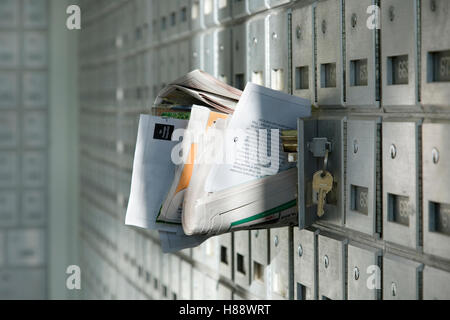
322, 184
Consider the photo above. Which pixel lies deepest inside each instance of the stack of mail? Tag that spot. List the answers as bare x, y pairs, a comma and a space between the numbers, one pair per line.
222, 170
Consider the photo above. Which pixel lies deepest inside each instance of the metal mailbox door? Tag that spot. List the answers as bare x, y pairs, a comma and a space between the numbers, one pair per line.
278, 52
305, 255
400, 278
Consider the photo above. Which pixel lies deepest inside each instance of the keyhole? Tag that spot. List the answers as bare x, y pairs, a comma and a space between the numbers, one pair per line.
299, 32
391, 13
324, 26
354, 20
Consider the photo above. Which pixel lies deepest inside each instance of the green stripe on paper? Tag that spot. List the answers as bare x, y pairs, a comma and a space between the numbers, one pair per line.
282, 207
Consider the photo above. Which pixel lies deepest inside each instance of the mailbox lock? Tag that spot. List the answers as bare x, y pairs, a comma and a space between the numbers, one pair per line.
393, 151
354, 20
326, 261
256, 233
356, 273
221, 48
300, 250
274, 36
393, 289
275, 241
435, 155
255, 40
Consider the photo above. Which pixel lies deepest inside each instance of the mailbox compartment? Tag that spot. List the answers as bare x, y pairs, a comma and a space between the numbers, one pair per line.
399, 61
242, 258
400, 278
210, 12
333, 129
305, 264
224, 55
361, 63
278, 52
363, 205
197, 17
435, 24
332, 267
330, 82
240, 8
256, 54
239, 43
436, 179
363, 272
259, 241
401, 214
225, 255
303, 59
435, 284
279, 264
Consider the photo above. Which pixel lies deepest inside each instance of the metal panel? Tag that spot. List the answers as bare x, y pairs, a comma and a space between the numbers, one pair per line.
14, 282
9, 211
9, 169
363, 169
401, 213
9, 16
223, 55
435, 23
400, 278
259, 241
363, 273
183, 57
240, 8
399, 53
34, 168
196, 52
256, 54
332, 267
184, 20
435, 284
210, 52
334, 131
279, 264
35, 13
436, 198
9, 129
164, 20
330, 82
33, 208
239, 56
275, 3
210, 12
186, 281
175, 277
35, 129
197, 18
305, 264
258, 5
35, 92
9, 90
278, 53
303, 64
361, 46
242, 258
25, 248
225, 255
35, 49
224, 10
9, 49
